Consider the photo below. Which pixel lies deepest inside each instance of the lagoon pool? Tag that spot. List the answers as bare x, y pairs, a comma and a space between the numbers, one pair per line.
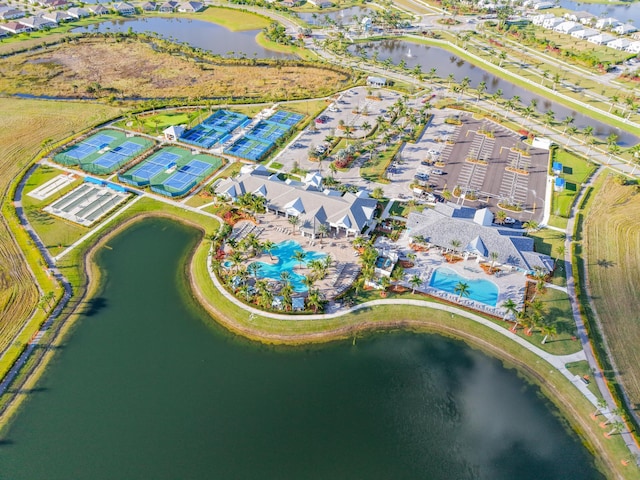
284, 252
483, 291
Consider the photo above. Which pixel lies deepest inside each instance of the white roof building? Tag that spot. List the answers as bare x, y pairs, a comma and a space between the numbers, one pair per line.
601, 39
586, 33
619, 43
607, 22
634, 47
568, 27
77, 12
583, 17
173, 133
625, 29
37, 23
347, 213
543, 5
552, 22
539, 19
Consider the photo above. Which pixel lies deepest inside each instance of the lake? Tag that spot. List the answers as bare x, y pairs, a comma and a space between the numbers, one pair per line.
628, 12
447, 63
147, 387
197, 33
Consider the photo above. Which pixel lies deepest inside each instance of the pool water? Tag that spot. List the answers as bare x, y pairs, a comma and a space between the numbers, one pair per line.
383, 262
482, 291
284, 252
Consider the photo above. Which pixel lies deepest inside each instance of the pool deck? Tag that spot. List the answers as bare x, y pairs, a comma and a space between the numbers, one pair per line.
510, 284
344, 268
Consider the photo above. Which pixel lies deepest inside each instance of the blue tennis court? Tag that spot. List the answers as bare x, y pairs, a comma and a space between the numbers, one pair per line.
99, 141
286, 118
81, 151
155, 166
118, 155
188, 174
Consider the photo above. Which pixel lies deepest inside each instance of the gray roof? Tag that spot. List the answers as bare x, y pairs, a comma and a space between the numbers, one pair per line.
440, 228
348, 211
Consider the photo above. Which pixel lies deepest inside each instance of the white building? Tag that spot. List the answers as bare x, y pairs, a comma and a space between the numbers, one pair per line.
539, 19
543, 5
552, 22
608, 22
619, 43
625, 29
585, 18
634, 47
585, 34
601, 39
568, 27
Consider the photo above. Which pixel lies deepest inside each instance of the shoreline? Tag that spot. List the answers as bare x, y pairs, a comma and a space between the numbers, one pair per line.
578, 423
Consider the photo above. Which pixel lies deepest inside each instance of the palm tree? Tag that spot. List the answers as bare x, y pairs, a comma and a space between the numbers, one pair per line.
253, 269
462, 289
530, 226
588, 133
299, 256
358, 285
549, 116
547, 330
509, 306
455, 244
500, 216
416, 282
268, 246
293, 220
480, 89
308, 281
385, 282
397, 275
568, 120
601, 405
314, 301
323, 230
494, 258
616, 427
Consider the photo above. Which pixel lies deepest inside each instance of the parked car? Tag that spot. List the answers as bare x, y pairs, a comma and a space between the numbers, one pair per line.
509, 220
437, 171
421, 176
321, 149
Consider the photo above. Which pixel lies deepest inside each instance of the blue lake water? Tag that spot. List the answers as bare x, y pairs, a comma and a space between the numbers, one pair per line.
284, 252
197, 33
480, 290
629, 11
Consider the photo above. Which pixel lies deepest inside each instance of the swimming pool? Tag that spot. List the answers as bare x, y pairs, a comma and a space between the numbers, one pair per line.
284, 252
480, 290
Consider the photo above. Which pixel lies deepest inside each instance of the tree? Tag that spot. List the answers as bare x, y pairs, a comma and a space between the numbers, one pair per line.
385, 282
253, 269
530, 226
568, 120
503, 57
323, 230
377, 193
494, 258
268, 247
549, 117
293, 220
462, 289
480, 89
500, 216
299, 256
416, 282
616, 427
397, 275
548, 330
601, 405
510, 307
314, 301
455, 244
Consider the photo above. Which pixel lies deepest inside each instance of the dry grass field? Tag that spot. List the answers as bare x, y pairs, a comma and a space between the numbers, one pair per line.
612, 254
24, 125
130, 68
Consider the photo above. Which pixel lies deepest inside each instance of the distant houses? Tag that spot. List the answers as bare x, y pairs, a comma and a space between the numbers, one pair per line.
15, 27
10, 13
376, 81
125, 8
190, 7
77, 12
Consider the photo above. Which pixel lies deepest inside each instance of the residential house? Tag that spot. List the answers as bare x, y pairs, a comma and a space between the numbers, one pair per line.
477, 235
601, 39
585, 18
539, 19
619, 43
290, 3
190, 7
585, 34
8, 13
77, 12
15, 27
543, 5
608, 22
57, 16
568, 27
320, 3
634, 47
125, 8
149, 7
552, 23
168, 7
98, 9
624, 29
37, 23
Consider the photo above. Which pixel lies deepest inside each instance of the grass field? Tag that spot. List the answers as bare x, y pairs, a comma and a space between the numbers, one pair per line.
230, 18
612, 255
25, 124
576, 171
133, 69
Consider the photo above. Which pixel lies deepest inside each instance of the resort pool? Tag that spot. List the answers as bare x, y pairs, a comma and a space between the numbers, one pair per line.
482, 291
284, 252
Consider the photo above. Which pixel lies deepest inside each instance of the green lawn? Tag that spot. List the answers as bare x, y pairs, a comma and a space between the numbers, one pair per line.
402, 209
582, 369
576, 170
230, 18
375, 168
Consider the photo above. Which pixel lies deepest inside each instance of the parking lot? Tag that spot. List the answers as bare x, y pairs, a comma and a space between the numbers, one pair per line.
490, 168
353, 108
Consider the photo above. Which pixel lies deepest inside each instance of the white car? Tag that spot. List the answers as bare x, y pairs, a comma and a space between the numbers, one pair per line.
509, 220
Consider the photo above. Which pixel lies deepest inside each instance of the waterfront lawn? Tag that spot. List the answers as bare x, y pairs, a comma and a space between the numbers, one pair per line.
612, 258
583, 370
231, 18
576, 171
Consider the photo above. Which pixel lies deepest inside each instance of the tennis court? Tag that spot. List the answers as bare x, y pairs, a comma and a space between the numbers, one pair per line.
215, 129
118, 155
82, 150
142, 175
286, 118
249, 148
188, 175
267, 132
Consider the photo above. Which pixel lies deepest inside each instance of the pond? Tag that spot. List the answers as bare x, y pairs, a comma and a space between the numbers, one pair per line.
197, 33
446, 63
629, 11
146, 386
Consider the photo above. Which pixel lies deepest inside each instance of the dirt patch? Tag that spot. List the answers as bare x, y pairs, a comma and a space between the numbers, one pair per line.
99, 67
